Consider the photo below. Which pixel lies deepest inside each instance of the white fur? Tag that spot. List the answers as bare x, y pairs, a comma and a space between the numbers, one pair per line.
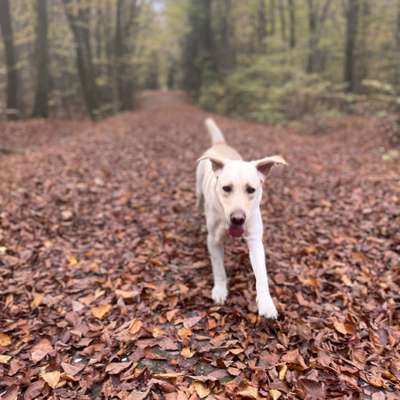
215, 133
218, 167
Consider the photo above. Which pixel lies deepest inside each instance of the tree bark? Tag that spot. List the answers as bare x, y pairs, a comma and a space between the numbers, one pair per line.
199, 56
12, 103
351, 37
261, 30
362, 51
226, 56
282, 18
292, 24
316, 20
397, 49
79, 24
41, 102
272, 8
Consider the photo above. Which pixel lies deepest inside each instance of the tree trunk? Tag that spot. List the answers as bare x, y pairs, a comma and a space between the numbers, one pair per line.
282, 18
12, 75
292, 24
226, 56
312, 36
316, 19
272, 8
351, 37
125, 84
397, 49
200, 62
261, 30
79, 24
361, 51
41, 103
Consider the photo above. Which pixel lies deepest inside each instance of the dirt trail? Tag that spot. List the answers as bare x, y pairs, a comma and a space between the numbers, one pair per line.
105, 278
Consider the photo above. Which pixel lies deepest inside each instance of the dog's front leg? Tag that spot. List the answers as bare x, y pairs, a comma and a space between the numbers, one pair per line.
216, 250
265, 303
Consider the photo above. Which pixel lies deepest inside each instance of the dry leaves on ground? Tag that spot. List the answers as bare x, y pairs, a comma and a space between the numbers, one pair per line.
105, 279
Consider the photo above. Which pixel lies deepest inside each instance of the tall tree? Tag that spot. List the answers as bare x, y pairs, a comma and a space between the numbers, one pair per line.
317, 14
125, 21
272, 8
78, 15
352, 10
261, 28
41, 102
362, 45
397, 49
282, 18
11, 65
292, 24
224, 49
199, 60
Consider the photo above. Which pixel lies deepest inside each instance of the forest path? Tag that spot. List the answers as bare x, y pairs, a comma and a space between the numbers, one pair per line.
105, 278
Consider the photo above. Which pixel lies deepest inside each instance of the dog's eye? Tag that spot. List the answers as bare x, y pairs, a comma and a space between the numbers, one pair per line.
250, 190
227, 188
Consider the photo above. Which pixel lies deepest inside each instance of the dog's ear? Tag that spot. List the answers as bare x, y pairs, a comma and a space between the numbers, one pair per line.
265, 164
216, 163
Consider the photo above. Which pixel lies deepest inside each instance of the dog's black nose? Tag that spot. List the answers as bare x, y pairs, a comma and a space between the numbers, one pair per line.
238, 218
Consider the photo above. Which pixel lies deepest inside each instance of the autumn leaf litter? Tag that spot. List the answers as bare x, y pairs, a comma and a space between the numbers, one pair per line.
105, 279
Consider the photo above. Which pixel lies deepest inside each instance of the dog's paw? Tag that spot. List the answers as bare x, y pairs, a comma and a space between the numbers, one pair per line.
219, 294
266, 307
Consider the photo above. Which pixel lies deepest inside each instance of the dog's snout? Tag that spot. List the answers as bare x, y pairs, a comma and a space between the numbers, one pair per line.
238, 218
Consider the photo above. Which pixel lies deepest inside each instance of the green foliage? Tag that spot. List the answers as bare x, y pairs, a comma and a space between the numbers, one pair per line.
273, 93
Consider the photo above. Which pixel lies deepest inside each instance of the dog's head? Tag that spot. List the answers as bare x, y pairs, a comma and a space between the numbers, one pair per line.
239, 188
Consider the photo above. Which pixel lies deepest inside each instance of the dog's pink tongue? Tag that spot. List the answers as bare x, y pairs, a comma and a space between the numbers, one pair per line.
236, 231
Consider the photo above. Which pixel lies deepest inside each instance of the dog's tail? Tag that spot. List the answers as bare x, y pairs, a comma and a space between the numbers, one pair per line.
215, 133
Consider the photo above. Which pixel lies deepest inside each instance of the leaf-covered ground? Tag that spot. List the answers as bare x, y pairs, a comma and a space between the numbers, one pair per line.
105, 279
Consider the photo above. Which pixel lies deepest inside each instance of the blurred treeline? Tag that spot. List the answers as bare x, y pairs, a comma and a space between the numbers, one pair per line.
270, 60
279, 60
62, 57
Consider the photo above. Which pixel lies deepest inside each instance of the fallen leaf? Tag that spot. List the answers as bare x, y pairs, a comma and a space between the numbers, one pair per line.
5, 340
275, 394
138, 395
135, 326
191, 322
201, 389
51, 378
184, 333
72, 261
313, 390
375, 381
126, 294
101, 311
168, 375
249, 392
72, 369
11, 394
4, 359
234, 371
37, 300
187, 353
117, 367
282, 372
40, 350
343, 328
66, 215
34, 390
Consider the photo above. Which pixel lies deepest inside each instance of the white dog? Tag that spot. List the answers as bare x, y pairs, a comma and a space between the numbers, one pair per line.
230, 190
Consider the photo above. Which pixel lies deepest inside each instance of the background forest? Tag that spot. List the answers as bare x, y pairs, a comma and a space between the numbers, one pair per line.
268, 60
